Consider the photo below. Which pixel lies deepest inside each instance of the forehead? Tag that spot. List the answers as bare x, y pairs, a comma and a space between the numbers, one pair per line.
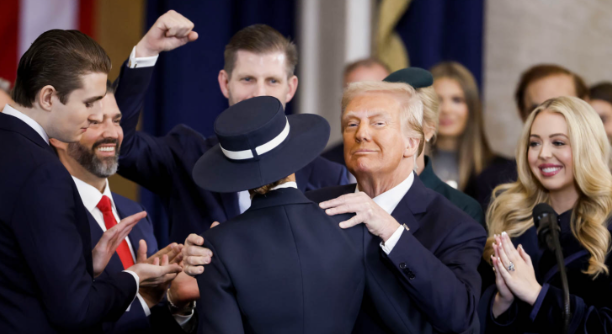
550, 87
92, 85
109, 105
375, 72
271, 63
548, 122
446, 85
370, 103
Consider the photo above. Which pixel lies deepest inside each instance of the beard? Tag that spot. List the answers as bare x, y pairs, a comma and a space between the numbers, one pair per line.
87, 158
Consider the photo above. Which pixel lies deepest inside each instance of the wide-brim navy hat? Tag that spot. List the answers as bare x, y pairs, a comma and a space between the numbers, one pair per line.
259, 145
414, 76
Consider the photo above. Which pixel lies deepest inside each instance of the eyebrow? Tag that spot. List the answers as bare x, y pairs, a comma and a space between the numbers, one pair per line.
374, 114
93, 99
553, 135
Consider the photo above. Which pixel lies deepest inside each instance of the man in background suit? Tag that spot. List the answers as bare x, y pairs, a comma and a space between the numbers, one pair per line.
91, 161
46, 263
258, 61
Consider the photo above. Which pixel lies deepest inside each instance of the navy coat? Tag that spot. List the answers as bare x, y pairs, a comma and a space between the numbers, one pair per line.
164, 165
429, 282
46, 272
283, 266
590, 299
135, 320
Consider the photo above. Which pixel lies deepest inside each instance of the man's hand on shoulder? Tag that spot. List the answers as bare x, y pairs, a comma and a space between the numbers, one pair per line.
169, 32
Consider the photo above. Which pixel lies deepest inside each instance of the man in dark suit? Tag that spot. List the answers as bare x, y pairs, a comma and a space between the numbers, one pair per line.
258, 61
47, 283
282, 266
421, 251
91, 161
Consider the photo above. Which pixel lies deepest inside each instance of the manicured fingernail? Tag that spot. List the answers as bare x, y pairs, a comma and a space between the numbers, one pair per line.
504, 233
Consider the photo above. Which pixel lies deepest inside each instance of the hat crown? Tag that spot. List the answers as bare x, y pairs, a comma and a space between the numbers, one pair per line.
251, 123
413, 76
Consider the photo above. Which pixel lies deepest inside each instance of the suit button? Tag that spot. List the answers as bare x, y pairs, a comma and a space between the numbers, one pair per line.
402, 265
410, 274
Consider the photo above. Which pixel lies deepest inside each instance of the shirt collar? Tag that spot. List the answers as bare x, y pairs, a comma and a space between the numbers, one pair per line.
92, 196
389, 200
289, 184
8, 110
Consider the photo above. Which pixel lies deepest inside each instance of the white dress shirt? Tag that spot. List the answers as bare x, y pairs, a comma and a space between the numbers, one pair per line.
244, 198
8, 110
388, 201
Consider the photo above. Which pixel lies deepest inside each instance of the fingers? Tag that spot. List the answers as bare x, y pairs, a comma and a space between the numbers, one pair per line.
500, 253
164, 260
333, 202
142, 251
214, 224
176, 24
194, 239
524, 255
193, 270
503, 272
189, 251
192, 36
508, 247
357, 219
170, 269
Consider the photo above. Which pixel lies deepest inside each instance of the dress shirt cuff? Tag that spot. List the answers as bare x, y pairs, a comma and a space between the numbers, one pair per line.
182, 320
141, 61
387, 246
135, 278
144, 305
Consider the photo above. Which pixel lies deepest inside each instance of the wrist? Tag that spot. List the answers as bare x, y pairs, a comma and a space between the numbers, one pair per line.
533, 296
143, 51
500, 305
185, 308
389, 230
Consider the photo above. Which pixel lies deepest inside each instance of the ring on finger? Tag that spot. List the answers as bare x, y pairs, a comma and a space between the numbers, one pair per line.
511, 267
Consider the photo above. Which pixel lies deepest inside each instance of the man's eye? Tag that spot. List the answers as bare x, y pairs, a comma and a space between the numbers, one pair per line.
88, 104
247, 79
92, 122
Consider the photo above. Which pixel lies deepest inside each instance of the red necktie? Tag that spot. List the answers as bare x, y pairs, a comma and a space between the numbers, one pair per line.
123, 250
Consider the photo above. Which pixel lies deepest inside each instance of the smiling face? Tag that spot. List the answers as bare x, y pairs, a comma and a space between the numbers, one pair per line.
68, 122
374, 141
453, 108
258, 75
550, 152
98, 149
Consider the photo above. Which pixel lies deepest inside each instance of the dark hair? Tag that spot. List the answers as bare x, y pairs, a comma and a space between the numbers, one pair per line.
542, 71
259, 39
58, 58
110, 88
602, 91
367, 62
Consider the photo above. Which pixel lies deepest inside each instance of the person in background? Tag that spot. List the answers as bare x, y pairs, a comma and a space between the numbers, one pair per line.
259, 61
461, 150
369, 69
422, 80
601, 101
91, 161
536, 85
562, 160
5, 93
282, 266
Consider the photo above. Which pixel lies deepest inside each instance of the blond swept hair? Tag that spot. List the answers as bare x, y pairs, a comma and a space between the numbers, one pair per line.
411, 107
512, 203
431, 109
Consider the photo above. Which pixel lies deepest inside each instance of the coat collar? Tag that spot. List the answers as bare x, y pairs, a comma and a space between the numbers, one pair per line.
414, 203
278, 197
14, 124
428, 177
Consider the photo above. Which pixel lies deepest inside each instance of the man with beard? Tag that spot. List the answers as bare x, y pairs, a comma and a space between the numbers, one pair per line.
91, 161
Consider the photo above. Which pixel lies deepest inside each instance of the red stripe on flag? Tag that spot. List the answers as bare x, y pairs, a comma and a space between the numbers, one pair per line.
9, 35
87, 17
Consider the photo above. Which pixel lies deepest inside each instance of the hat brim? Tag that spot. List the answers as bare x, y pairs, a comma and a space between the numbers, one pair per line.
308, 136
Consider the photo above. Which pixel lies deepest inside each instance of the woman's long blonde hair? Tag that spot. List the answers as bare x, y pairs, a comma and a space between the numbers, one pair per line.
512, 203
474, 152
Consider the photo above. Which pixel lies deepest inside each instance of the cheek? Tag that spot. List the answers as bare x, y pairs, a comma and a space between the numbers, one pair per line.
565, 156
532, 157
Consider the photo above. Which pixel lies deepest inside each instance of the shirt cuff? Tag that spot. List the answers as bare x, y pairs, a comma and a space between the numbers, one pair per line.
136, 278
387, 246
144, 305
141, 61
182, 320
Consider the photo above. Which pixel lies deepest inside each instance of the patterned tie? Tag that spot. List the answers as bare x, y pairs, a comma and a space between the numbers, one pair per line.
123, 250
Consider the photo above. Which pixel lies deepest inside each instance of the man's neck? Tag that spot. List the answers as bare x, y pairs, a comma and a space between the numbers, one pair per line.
34, 113
75, 169
374, 185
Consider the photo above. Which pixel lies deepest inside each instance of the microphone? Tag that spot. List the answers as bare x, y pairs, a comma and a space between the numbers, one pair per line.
545, 221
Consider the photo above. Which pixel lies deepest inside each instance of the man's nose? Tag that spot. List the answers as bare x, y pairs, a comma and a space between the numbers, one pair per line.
363, 132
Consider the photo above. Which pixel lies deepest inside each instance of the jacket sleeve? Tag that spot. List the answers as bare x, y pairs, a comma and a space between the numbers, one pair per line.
49, 236
218, 309
446, 284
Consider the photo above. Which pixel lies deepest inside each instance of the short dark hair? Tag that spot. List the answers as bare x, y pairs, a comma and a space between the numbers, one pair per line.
602, 91
259, 39
58, 58
367, 62
542, 71
110, 88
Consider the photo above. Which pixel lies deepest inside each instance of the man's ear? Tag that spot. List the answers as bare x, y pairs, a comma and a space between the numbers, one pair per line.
45, 97
293, 84
411, 148
224, 83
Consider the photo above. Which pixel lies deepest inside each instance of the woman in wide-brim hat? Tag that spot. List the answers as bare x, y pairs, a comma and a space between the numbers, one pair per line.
283, 266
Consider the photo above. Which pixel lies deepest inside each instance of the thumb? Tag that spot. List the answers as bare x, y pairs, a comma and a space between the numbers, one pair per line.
141, 257
193, 36
170, 269
214, 224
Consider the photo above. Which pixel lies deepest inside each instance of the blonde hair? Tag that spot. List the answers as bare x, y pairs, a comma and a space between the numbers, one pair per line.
431, 109
512, 203
411, 107
474, 152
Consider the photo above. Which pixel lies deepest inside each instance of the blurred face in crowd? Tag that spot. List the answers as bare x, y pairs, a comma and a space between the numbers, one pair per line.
453, 108
258, 75
98, 149
68, 122
550, 152
548, 88
604, 109
374, 140
366, 73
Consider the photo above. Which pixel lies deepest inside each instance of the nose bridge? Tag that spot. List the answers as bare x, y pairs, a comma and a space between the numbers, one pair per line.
261, 88
363, 130
545, 152
109, 129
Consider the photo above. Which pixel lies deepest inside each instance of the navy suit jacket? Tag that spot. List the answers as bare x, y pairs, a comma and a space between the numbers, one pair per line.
429, 283
281, 267
46, 272
164, 165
